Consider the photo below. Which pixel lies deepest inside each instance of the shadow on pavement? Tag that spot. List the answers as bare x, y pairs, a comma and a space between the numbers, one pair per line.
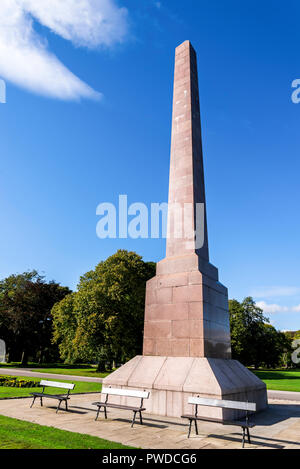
276, 413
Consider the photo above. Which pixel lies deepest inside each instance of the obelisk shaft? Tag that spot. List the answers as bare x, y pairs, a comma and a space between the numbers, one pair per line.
186, 186
186, 311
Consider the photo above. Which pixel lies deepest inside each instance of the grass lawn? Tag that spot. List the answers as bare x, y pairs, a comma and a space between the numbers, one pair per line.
59, 368
23, 392
92, 372
18, 434
280, 380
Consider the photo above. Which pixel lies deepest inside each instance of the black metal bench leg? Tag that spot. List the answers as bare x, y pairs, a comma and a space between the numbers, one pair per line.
196, 427
33, 401
243, 440
248, 434
133, 420
58, 407
141, 420
105, 412
99, 407
41, 401
190, 428
66, 404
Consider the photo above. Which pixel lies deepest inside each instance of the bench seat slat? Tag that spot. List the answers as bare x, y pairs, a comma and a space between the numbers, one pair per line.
250, 406
125, 392
237, 423
55, 396
118, 406
57, 384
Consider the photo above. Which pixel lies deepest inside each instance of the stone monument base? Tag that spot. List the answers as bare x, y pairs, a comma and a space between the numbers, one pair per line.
172, 380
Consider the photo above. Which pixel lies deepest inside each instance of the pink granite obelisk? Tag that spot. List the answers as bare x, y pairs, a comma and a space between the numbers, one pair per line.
186, 307
187, 335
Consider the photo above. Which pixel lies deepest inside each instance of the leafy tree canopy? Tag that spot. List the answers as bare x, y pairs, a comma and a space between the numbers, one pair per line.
254, 341
104, 319
26, 301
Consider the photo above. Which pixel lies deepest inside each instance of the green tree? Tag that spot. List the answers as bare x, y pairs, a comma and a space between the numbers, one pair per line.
276, 347
106, 313
254, 342
26, 301
64, 327
293, 334
247, 327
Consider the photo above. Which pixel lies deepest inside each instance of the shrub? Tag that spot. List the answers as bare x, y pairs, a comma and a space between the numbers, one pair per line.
15, 382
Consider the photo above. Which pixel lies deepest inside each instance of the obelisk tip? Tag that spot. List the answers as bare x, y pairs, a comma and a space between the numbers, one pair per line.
186, 45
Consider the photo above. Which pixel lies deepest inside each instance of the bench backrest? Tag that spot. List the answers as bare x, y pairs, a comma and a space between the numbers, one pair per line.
57, 384
237, 405
126, 392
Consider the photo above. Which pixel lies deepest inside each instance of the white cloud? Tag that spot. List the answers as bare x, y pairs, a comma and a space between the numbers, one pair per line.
269, 292
84, 22
275, 308
271, 308
25, 58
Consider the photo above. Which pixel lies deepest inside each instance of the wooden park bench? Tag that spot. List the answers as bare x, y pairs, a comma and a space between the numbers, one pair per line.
248, 407
60, 397
125, 393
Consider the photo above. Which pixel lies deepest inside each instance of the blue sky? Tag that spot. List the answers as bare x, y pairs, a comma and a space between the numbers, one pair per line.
61, 158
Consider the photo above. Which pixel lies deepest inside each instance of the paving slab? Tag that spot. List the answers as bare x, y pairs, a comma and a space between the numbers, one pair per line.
278, 427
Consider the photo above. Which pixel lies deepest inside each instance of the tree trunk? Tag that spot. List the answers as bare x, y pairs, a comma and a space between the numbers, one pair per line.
40, 360
101, 366
24, 359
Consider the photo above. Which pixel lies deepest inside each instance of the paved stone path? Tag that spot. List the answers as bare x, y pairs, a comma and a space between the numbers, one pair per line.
277, 427
284, 395
35, 374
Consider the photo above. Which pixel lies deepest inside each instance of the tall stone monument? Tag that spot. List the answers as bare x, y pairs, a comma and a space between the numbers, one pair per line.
187, 335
